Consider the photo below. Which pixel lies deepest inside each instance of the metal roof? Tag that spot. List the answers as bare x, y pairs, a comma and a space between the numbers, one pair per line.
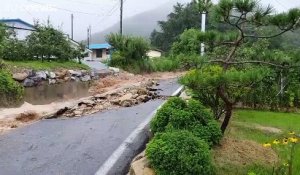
100, 46
16, 20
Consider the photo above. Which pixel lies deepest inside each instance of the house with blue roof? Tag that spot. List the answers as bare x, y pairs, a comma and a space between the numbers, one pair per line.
101, 51
20, 27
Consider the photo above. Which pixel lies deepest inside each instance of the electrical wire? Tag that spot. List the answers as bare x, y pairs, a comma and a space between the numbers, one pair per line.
85, 3
64, 9
281, 5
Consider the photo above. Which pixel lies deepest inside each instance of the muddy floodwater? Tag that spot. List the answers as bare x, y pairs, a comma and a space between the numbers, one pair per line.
46, 94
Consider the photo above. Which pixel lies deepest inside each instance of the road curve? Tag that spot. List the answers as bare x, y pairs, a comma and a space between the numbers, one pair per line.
75, 146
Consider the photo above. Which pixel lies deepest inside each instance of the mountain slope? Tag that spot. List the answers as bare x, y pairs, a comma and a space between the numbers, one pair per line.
139, 25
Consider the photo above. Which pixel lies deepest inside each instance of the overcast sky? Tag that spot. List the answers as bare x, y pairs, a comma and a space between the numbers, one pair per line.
100, 14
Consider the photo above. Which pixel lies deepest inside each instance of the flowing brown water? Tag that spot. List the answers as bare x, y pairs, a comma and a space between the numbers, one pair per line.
46, 94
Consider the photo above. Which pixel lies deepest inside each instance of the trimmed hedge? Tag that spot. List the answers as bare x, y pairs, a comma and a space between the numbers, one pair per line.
179, 153
161, 119
178, 114
211, 133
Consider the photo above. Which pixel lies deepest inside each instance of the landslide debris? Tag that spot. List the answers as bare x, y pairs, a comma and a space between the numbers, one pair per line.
124, 97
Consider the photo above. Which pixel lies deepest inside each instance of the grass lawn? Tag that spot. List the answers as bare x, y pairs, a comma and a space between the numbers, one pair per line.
38, 65
244, 127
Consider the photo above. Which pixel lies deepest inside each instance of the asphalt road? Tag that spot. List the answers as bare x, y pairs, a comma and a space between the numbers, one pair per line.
75, 146
95, 65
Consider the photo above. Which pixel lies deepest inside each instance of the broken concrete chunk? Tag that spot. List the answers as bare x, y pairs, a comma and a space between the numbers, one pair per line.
20, 76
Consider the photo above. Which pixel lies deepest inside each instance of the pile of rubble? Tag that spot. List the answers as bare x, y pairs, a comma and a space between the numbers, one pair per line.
31, 78
126, 97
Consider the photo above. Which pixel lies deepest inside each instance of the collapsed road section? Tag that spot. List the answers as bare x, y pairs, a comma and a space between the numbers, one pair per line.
76, 145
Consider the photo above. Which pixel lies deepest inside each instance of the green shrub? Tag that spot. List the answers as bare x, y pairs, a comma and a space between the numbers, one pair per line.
131, 54
177, 114
131, 48
162, 117
10, 91
117, 60
133, 66
179, 153
165, 64
211, 132
189, 61
175, 102
199, 111
180, 119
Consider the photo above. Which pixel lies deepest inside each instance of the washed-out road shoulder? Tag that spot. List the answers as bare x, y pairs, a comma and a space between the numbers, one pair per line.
76, 146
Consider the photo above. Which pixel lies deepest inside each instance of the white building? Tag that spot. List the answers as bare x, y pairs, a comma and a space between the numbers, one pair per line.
154, 53
101, 51
20, 27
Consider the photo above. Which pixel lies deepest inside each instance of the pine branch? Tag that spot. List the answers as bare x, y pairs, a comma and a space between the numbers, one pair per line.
295, 23
249, 62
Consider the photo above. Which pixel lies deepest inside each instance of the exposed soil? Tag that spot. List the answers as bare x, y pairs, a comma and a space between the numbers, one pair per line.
266, 129
243, 153
27, 117
22, 119
125, 79
119, 90
8, 124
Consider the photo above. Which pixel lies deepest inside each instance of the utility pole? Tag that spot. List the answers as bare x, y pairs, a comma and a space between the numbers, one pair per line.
203, 23
88, 37
72, 26
90, 33
121, 17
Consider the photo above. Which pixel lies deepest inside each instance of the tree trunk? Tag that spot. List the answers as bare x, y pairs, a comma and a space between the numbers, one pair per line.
228, 114
228, 108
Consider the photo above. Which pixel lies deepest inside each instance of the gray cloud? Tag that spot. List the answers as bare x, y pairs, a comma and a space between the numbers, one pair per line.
100, 14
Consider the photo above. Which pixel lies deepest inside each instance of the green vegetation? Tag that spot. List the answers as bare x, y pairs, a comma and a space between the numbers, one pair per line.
130, 53
46, 43
244, 64
183, 17
245, 126
11, 92
38, 65
177, 114
164, 64
285, 121
248, 62
183, 131
179, 153
234, 69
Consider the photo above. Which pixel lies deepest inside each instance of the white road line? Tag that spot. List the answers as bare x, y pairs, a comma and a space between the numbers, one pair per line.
109, 163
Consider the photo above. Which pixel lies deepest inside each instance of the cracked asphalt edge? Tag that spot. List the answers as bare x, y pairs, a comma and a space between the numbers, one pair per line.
118, 163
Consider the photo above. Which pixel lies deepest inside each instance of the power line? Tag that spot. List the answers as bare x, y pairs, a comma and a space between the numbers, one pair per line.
85, 3
281, 4
64, 9
110, 13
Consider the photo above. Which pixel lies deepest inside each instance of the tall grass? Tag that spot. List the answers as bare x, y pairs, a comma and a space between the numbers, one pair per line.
38, 65
162, 64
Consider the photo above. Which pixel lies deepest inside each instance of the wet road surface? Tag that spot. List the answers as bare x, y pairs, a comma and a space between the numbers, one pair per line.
75, 146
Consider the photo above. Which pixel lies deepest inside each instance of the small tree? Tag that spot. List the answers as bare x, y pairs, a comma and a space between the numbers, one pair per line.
228, 76
49, 43
3, 37
14, 49
130, 53
131, 48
